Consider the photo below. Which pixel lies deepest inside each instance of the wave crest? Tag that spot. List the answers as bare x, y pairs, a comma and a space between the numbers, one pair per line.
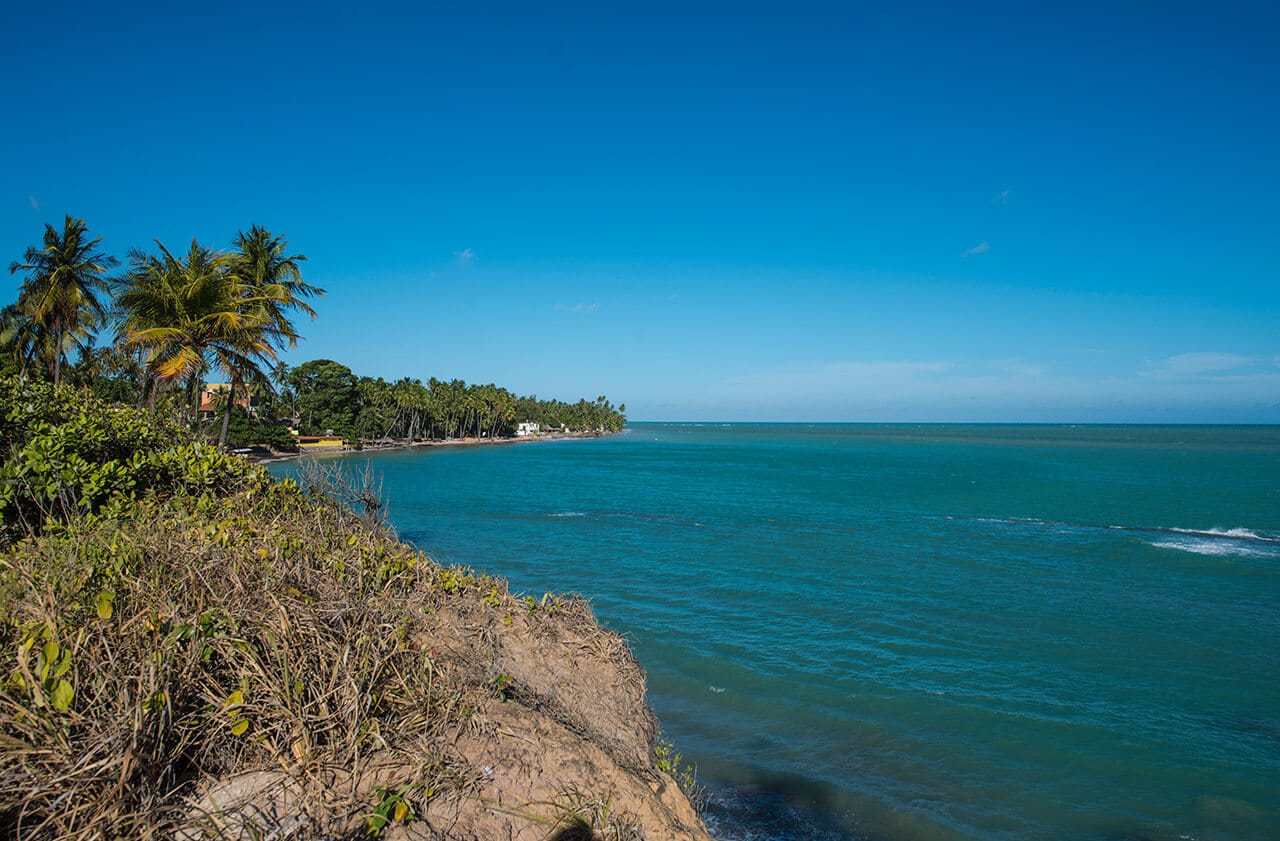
1235, 534
1232, 547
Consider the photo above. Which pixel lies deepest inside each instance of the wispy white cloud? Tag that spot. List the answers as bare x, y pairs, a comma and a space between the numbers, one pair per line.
1195, 364
980, 248
578, 308
464, 257
1001, 198
35, 205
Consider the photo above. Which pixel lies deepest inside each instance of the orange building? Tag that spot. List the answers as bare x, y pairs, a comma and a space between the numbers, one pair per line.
212, 399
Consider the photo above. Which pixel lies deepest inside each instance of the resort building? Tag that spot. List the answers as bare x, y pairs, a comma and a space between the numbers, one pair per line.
526, 429
213, 400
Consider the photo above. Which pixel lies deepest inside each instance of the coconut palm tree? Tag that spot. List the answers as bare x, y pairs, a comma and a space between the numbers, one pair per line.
60, 294
209, 308
273, 278
279, 375
187, 312
271, 287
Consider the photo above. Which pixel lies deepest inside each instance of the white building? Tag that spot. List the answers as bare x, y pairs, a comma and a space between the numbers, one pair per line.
526, 428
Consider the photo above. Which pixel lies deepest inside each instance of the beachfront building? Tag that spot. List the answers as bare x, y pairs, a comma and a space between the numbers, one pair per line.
527, 428
320, 442
213, 400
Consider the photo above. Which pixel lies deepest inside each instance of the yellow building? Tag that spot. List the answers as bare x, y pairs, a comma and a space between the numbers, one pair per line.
319, 442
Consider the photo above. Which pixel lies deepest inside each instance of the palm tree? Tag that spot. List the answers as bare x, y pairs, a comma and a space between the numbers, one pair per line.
280, 378
274, 278
60, 294
239, 353
186, 312
209, 308
272, 286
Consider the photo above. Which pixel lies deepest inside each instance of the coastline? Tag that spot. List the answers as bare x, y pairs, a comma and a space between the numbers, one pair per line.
276, 456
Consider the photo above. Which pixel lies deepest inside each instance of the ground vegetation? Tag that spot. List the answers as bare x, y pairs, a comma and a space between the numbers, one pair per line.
189, 649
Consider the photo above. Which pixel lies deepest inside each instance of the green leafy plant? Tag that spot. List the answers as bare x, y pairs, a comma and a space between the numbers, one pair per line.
500, 684
668, 761
392, 806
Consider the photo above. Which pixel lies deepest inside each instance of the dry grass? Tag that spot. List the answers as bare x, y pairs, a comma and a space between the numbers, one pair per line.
203, 636
190, 650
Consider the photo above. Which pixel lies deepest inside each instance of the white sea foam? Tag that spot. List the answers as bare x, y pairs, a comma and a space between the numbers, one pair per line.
1236, 534
1240, 542
568, 514
1232, 548
1014, 521
717, 689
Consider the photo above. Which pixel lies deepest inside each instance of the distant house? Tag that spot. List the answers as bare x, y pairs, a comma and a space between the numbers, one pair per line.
213, 400
526, 429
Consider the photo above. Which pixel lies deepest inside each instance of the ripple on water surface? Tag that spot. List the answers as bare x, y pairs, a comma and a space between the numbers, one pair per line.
915, 633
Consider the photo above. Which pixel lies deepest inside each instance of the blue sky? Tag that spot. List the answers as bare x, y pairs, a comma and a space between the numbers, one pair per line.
889, 212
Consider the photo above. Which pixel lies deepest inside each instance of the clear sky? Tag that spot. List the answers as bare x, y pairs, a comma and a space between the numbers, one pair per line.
843, 212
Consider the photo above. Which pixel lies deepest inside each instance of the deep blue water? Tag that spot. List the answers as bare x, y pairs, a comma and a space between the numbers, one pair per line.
914, 632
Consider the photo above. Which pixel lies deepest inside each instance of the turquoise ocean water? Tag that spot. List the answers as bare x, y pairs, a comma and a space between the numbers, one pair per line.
907, 632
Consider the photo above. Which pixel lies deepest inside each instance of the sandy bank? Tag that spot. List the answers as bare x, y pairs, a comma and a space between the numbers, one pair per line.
275, 456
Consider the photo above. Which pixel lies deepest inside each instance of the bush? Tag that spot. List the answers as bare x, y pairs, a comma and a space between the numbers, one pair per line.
68, 453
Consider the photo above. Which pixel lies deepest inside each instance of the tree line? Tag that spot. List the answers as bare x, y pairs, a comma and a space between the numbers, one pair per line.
151, 334
325, 395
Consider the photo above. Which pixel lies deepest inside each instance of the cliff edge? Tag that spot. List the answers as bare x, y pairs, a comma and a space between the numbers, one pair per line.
192, 650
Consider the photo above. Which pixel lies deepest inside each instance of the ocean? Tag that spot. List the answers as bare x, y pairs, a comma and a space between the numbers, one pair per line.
913, 632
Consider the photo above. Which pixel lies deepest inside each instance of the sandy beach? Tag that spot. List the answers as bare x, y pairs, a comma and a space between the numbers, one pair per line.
276, 456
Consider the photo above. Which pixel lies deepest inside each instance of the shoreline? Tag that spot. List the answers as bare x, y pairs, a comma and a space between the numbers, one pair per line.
275, 456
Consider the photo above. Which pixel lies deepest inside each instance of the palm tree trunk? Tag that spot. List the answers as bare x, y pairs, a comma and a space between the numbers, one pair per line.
226, 416
57, 359
193, 399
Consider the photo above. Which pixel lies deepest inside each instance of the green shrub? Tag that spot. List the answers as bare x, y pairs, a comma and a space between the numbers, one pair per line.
67, 453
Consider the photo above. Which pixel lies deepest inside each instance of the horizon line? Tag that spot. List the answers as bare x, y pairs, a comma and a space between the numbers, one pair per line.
721, 422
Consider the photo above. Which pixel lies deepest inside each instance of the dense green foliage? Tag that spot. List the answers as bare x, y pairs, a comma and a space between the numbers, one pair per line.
599, 414
66, 452
231, 310
330, 397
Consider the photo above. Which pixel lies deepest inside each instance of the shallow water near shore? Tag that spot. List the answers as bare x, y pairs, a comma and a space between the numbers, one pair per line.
908, 632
